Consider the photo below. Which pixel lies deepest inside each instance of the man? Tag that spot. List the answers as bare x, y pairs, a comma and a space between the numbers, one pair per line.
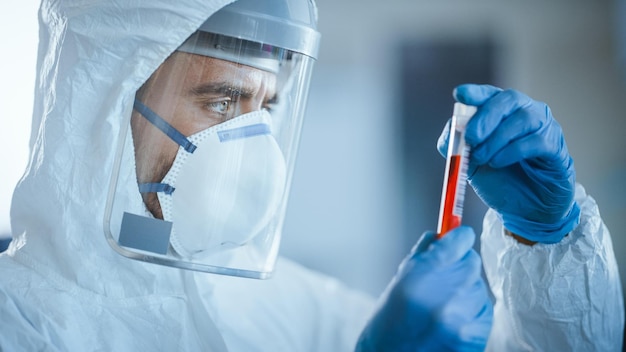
179, 144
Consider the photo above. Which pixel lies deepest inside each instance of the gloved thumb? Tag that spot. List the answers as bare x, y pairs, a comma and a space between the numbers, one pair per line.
474, 94
447, 250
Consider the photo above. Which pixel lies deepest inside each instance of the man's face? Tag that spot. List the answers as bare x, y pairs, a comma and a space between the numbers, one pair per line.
192, 93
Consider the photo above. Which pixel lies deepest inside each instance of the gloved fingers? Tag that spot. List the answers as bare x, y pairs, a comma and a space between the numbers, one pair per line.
420, 278
422, 245
513, 134
433, 257
474, 94
426, 287
444, 137
463, 273
531, 146
491, 114
444, 269
471, 94
438, 273
424, 241
468, 305
475, 334
468, 316
449, 249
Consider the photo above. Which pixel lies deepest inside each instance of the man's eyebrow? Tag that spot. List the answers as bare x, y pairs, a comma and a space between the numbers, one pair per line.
222, 89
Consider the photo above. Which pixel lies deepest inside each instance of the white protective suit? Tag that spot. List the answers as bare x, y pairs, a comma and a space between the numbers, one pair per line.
62, 288
565, 296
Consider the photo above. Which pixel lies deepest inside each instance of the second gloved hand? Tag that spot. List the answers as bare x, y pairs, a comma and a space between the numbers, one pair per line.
519, 163
437, 301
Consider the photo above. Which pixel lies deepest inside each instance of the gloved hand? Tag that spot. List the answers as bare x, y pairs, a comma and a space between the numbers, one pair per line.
437, 301
519, 163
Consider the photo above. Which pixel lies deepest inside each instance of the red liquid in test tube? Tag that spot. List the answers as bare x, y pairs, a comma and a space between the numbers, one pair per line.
455, 177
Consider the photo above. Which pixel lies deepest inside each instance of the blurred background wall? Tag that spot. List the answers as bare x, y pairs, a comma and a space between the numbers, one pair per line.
18, 33
355, 207
368, 178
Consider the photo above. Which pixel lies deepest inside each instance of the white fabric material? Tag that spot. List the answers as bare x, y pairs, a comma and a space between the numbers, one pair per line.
62, 288
555, 297
226, 191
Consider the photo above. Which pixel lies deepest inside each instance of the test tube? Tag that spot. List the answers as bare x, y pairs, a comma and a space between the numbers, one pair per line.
455, 177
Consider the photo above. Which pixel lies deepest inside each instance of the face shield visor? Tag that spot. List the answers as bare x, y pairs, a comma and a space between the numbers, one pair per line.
212, 141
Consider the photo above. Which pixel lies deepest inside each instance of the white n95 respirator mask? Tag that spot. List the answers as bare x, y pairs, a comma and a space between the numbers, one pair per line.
228, 189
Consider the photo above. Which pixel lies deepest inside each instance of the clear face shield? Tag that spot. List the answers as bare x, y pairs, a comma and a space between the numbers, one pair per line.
212, 138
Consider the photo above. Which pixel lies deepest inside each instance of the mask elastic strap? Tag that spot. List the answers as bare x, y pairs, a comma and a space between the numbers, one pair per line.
156, 187
171, 132
165, 127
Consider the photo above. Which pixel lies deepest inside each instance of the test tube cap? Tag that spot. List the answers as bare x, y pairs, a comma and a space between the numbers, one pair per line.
463, 112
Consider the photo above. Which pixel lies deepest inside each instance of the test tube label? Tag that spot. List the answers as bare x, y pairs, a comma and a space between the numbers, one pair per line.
461, 185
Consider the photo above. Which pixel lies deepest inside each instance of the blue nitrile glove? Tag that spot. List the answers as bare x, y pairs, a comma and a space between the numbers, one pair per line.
437, 301
519, 163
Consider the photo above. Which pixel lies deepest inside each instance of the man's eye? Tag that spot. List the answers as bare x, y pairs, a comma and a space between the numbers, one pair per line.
220, 107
